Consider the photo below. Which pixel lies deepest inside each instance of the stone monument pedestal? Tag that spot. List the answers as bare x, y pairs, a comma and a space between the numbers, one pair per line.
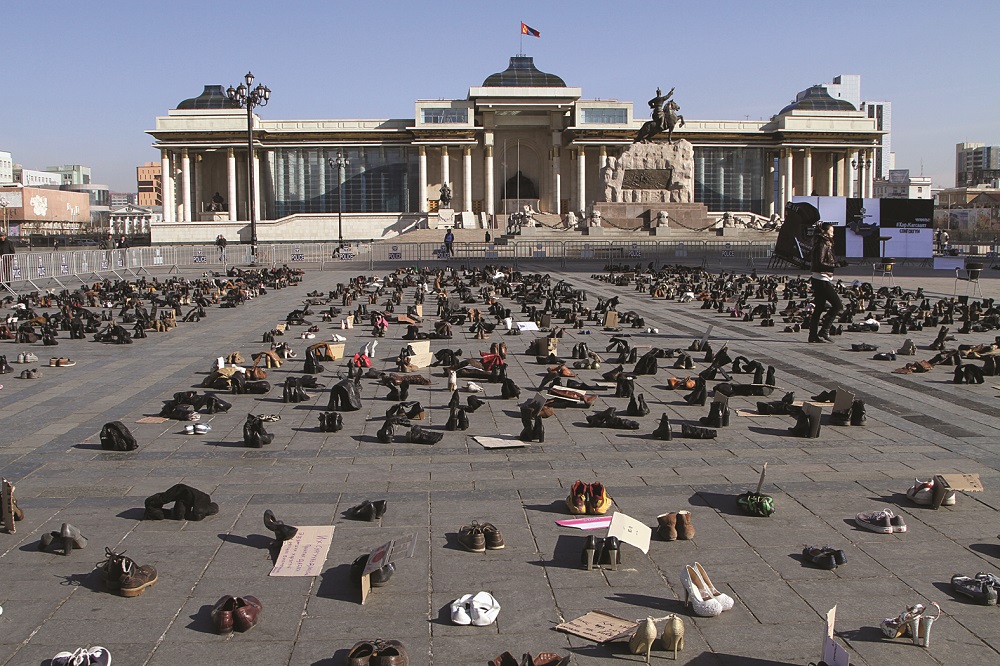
593, 231
446, 218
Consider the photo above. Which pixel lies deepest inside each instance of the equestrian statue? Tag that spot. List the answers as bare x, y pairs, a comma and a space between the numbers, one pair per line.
665, 118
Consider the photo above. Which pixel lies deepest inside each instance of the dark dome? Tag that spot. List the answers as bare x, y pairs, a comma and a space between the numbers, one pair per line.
212, 97
522, 73
817, 98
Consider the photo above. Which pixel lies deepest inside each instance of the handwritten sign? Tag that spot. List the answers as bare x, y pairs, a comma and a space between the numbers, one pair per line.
598, 626
305, 553
631, 531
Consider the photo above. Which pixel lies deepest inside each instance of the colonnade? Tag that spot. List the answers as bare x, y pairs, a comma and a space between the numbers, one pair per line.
808, 170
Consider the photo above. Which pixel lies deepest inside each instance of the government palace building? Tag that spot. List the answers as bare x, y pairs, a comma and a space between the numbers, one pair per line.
521, 135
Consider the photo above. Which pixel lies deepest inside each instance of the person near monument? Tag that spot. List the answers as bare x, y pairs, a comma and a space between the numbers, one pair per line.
825, 297
220, 242
449, 240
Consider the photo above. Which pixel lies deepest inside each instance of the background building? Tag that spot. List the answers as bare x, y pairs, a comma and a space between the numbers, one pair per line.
848, 87
119, 199
522, 136
71, 174
32, 210
901, 185
149, 180
33, 178
976, 164
6, 168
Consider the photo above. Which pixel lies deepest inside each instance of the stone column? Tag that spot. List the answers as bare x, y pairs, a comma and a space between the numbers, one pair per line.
870, 172
807, 173
231, 182
167, 187
199, 182
847, 187
256, 189
782, 179
422, 178
467, 178
769, 185
830, 170
581, 179
789, 176
186, 184
445, 167
556, 182
488, 177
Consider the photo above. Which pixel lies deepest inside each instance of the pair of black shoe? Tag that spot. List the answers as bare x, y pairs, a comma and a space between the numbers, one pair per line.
782, 406
293, 391
331, 422
386, 433
696, 432
458, 420
637, 406
608, 419
824, 557
855, 415
606, 552
970, 374
254, 434
411, 409
718, 415
377, 578
368, 510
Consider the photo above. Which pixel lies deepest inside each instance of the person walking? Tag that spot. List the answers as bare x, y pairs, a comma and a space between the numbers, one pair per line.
449, 240
825, 297
220, 243
6, 263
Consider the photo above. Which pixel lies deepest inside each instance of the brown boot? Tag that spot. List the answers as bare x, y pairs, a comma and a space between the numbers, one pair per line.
667, 526
685, 530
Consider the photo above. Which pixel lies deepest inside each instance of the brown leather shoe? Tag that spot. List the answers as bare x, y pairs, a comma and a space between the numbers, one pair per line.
222, 614
667, 529
471, 537
494, 540
247, 613
390, 653
361, 654
685, 530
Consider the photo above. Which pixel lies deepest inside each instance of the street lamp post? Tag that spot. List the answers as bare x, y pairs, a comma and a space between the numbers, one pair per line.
3, 204
341, 163
860, 166
250, 98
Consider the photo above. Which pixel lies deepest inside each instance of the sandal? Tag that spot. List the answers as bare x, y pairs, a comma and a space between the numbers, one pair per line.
920, 627
894, 627
269, 417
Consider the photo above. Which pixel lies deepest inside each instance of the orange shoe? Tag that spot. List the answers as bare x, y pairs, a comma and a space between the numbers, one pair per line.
577, 500
598, 501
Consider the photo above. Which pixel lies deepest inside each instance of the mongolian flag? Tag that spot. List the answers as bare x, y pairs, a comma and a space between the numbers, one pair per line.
528, 30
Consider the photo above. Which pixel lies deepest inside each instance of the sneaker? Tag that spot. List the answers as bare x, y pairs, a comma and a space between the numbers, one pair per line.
598, 501
79, 657
483, 609
897, 524
471, 538
576, 502
494, 540
877, 521
460, 610
922, 493
99, 656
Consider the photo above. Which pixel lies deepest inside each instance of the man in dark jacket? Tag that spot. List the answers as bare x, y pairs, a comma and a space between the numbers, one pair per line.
6, 245
824, 294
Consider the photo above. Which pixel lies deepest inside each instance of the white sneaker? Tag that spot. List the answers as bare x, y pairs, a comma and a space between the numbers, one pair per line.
473, 387
460, 610
484, 609
338, 338
878, 521
370, 353
922, 493
99, 656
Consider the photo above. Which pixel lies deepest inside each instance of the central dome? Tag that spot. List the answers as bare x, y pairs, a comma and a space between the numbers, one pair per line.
522, 73
817, 98
212, 97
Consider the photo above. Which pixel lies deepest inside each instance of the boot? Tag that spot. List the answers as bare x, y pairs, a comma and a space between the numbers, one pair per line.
600, 418
418, 435
841, 418
714, 418
538, 431
386, 432
685, 530
452, 423
694, 432
625, 387
463, 419
699, 396
334, 422
667, 526
527, 416
858, 415
663, 431
769, 380
473, 403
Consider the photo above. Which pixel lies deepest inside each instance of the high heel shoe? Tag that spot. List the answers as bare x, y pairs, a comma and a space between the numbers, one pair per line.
894, 627
282, 532
920, 626
673, 634
588, 557
705, 605
611, 553
643, 638
724, 600
71, 538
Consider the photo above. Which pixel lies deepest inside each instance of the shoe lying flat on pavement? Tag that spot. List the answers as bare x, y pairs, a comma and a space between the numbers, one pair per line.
979, 590
483, 609
884, 521
922, 493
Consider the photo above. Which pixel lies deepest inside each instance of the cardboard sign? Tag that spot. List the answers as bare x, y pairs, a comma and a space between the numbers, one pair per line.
963, 482
305, 553
592, 523
704, 338
598, 626
500, 442
397, 549
843, 400
833, 653
527, 325
631, 531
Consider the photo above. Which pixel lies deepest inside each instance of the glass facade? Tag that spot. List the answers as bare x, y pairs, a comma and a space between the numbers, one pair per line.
444, 115
730, 179
604, 116
377, 179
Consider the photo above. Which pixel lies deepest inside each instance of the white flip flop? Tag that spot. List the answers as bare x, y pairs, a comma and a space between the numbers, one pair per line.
460, 610
484, 609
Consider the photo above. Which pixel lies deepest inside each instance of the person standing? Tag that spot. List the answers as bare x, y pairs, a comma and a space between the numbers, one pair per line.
220, 243
6, 247
449, 240
825, 297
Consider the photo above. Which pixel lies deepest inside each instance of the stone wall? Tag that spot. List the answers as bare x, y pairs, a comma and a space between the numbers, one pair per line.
671, 163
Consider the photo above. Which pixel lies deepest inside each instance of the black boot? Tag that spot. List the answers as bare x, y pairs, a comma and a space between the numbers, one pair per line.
418, 435
527, 432
538, 432
699, 395
664, 431
473, 403
714, 418
694, 432
769, 380
386, 432
452, 423
858, 415
463, 419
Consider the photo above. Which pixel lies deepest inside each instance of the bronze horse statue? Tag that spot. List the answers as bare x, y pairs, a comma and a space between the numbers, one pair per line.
671, 119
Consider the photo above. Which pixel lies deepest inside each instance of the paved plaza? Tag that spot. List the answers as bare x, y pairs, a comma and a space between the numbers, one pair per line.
918, 425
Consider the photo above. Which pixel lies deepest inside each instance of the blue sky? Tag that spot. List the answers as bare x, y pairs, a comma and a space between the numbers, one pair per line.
83, 81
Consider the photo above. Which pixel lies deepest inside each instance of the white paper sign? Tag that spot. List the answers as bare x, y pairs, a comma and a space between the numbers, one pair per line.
630, 531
